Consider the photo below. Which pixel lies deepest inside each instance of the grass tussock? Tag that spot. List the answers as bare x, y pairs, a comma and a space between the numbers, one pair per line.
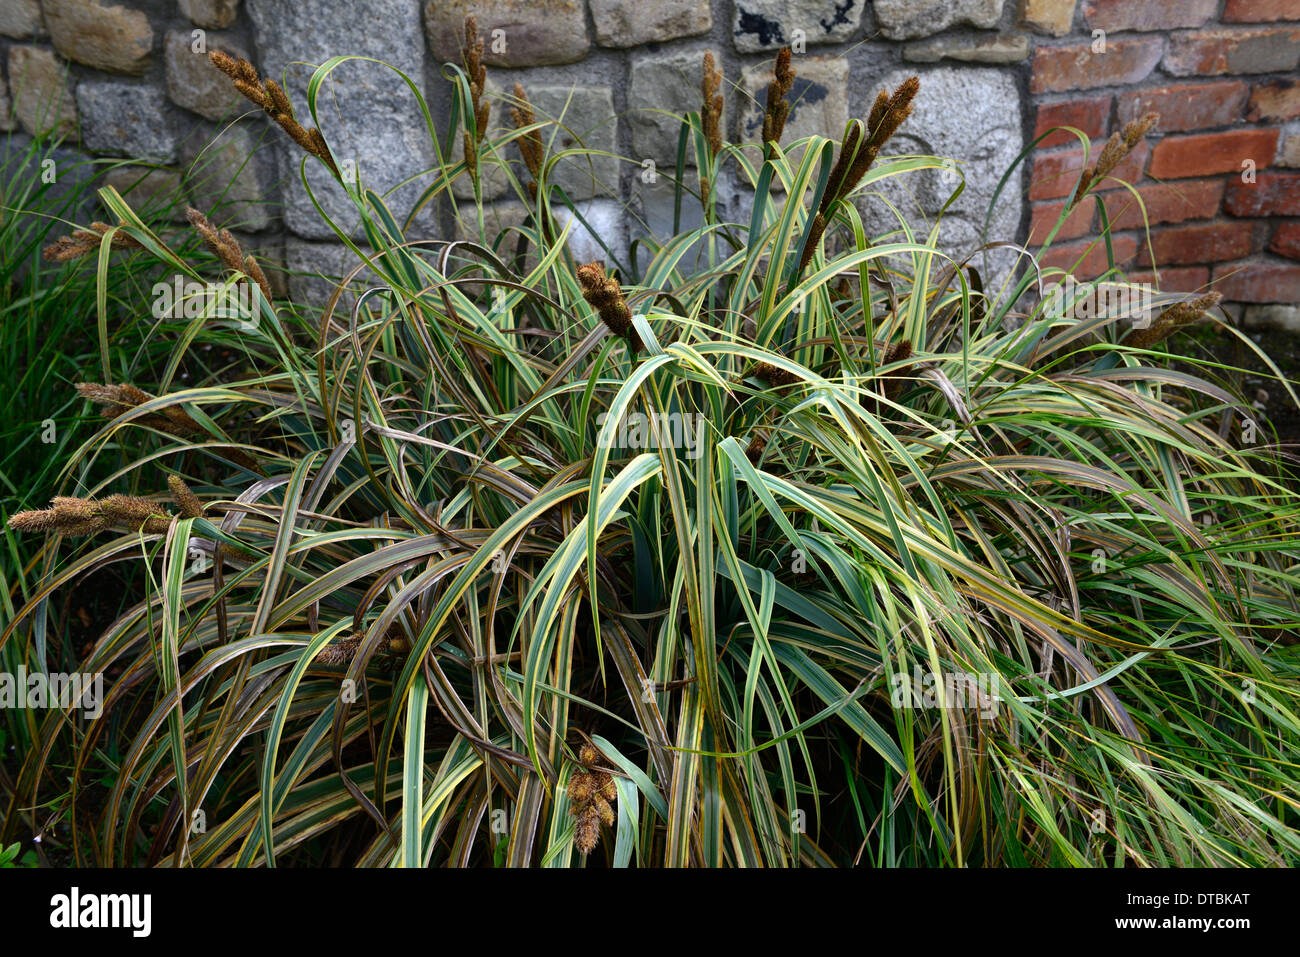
824, 548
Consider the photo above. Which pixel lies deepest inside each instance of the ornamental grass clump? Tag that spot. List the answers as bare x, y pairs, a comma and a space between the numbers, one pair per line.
845, 549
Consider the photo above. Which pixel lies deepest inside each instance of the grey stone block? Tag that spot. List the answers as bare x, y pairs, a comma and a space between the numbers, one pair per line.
818, 99
910, 19
125, 119
581, 118
370, 118
231, 177
983, 139
629, 23
42, 92
106, 36
149, 191
194, 83
771, 24
663, 89
536, 33
21, 19
213, 14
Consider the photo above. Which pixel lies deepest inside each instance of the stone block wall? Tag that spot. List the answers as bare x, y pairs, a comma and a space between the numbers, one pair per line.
1220, 176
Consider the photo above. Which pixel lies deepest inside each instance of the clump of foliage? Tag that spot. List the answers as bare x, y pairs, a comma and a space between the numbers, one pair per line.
426, 600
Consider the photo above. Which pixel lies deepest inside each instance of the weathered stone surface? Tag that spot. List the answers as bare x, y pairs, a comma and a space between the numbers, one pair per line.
1078, 66
910, 19
1272, 316
1002, 49
818, 99
150, 191
582, 118
663, 88
113, 38
369, 117
193, 82
213, 14
1053, 17
125, 119
42, 91
314, 270
605, 217
1116, 15
628, 23
21, 19
983, 138
514, 34
230, 177
771, 24
1288, 149
6, 108
1211, 52
653, 203
1278, 100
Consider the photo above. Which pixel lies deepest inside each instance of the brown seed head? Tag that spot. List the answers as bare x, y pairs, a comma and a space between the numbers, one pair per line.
1171, 320
777, 108
185, 499
586, 830
530, 144
774, 376
711, 108
604, 294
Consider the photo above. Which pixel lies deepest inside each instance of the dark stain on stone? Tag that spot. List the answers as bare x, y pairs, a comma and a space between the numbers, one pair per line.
840, 15
805, 91
801, 92
768, 30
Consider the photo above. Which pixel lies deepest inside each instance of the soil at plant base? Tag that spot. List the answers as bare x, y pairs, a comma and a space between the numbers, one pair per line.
1284, 349
1277, 412
1271, 398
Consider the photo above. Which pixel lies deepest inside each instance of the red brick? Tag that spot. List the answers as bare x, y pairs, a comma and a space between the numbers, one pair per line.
1091, 115
1187, 106
1286, 240
1261, 11
1180, 279
1201, 243
1045, 215
1247, 50
1272, 194
1177, 157
1055, 174
1119, 15
1277, 100
1258, 282
1076, 67
1166, 203
1094, 261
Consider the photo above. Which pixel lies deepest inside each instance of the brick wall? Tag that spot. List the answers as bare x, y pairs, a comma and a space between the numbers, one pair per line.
1217, 175
125, 79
